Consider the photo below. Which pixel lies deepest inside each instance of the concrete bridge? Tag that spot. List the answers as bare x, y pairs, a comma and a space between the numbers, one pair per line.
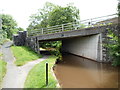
87, 42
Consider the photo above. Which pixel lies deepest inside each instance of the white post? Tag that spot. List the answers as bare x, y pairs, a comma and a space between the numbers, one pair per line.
42, 30
91, 22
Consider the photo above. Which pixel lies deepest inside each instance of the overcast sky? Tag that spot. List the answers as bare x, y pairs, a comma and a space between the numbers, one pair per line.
22, 9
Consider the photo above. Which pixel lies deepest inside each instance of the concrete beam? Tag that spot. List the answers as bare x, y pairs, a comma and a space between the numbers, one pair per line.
70, 34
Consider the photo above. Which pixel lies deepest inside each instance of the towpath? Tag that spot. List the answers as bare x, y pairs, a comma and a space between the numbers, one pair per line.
15, 76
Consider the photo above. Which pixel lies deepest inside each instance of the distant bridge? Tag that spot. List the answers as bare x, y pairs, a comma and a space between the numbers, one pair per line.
85, 38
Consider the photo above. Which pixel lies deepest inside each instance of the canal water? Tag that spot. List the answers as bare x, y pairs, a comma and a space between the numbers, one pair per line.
78, 72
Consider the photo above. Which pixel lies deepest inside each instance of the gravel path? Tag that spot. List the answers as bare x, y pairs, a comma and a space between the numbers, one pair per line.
15, 76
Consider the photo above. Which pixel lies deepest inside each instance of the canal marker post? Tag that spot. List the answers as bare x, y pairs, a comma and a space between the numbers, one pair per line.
46, 73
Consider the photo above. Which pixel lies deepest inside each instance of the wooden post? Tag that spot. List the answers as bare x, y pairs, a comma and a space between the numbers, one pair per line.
46, 73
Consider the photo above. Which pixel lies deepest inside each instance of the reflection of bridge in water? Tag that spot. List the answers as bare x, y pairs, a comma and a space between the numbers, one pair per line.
84, 38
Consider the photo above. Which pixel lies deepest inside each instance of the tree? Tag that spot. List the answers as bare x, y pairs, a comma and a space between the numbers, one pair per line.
114, 48
52, 15
40, 19
62, 15
20, 29
9, 25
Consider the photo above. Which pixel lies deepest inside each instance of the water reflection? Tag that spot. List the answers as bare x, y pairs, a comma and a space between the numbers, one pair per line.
77, 72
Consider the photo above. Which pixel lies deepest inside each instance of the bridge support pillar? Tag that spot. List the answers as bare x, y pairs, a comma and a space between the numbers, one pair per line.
33, 43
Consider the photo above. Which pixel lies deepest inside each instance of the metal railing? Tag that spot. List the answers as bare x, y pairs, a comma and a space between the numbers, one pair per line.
99, 21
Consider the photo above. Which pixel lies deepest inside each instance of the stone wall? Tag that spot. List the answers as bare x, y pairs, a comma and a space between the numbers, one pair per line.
21, 39
33, 43
106, 40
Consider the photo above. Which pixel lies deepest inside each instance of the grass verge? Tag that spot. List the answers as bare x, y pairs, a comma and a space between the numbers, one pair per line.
2, 70
36, 76
24, 54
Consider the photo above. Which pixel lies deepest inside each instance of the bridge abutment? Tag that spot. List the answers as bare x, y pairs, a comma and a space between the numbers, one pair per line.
87, 46
33, 44
21, 39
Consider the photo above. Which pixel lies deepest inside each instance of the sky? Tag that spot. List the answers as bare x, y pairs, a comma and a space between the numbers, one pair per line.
22, 9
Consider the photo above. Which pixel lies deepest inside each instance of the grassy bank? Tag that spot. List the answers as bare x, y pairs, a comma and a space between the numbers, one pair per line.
36, 77
23, 55
2, 70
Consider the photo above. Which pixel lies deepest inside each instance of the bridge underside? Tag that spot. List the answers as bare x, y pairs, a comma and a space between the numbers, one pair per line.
87, 46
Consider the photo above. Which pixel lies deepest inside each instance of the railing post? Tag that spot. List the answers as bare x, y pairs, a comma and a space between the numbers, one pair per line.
62, 27
42, 30
75, 26
91, 22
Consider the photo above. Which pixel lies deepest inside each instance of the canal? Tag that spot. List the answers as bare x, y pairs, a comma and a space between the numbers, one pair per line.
78, 72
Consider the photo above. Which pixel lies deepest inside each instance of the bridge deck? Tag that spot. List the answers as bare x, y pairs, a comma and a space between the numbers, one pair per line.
74, 29
70, 34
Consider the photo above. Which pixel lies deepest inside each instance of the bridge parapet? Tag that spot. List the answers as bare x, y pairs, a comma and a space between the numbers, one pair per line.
94, 22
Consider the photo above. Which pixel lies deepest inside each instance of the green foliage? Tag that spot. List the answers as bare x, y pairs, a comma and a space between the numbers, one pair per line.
114, 48
2, 70
2, 41
52, 15
53, 44
62, 15
23, 55
9, 25
1, 54
40, 19
3, 36
20, 29
36, 76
